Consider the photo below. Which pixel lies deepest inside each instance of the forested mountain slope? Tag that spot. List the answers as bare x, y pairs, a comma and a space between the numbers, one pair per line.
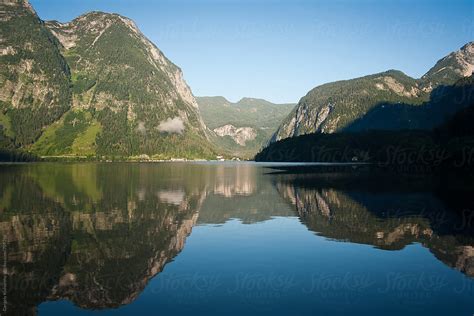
334, 107
101, 86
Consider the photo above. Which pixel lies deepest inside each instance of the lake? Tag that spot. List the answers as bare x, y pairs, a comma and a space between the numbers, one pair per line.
232, 239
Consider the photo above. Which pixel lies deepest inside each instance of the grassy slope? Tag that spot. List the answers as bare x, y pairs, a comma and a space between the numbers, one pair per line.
74, 134
6, 124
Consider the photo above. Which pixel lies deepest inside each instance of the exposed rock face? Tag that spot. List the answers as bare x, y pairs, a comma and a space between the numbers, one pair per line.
332, 107
254, 119
392, 84
154, 89
239, 134
465, 260
100, 65
450, 68
335, 106
34, 77
89, 33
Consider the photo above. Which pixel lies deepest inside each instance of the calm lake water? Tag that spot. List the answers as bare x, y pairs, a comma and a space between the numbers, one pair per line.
231, 239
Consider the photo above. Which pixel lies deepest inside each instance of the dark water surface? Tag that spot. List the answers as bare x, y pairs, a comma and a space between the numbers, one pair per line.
231, 239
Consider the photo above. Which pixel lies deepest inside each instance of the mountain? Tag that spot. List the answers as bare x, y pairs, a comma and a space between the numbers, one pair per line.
443, 103
104, 88
448, 69
34, 76
435, 136
242, 128
333, 107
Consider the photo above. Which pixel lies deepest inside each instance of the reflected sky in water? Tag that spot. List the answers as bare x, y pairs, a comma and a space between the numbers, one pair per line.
232, 238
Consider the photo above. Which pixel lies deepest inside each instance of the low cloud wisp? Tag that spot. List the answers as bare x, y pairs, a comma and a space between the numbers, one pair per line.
172, 125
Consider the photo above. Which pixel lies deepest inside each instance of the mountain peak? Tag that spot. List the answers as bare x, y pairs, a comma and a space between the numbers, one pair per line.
452, 67
213, 100
19, 3
469, 47
99, 17
247, 101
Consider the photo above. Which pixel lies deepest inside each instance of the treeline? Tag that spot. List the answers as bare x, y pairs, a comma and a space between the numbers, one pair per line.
438, 134
17, 156
36, 65
450, 146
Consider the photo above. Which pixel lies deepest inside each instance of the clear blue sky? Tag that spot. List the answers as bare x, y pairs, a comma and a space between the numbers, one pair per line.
279, 50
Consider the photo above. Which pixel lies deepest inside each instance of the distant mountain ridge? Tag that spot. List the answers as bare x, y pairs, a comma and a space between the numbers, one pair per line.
334, 106
101, 86
242, 128
218, 111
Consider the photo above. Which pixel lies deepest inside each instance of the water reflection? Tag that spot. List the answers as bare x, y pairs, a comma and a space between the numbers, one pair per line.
90, 234
386, 213
95, 234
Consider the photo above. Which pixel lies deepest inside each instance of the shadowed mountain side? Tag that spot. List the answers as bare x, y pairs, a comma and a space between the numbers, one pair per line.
437, 136
370, 146
389, 216
444, 102
332, 107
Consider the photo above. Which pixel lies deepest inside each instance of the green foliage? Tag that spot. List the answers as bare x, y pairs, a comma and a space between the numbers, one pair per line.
81, 83
217, 111
117, 137
263, 116
443, 103
27, 123
116, 73
6, 126
85, 142
448, 147
336, 106
370, 146
347, 101
36, 62
59, 137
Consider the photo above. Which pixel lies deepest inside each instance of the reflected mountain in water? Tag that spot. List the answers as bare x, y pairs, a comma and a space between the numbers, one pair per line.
239, 191
386, 213
95, 234
90, 234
